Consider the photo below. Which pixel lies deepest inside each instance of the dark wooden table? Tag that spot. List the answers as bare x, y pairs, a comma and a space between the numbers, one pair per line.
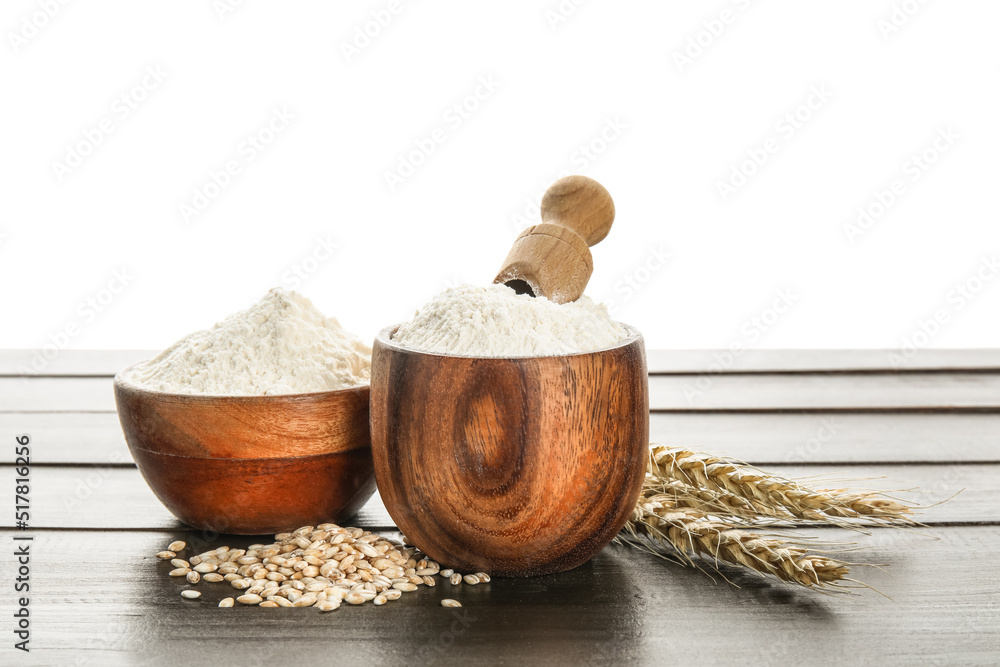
99, 597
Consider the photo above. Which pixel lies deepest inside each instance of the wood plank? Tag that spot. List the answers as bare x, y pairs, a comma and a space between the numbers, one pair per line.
833, 437
96, 438
56, 394
116, 606
69, 437
109, 362
69, 362
810, 361
842, 391
756, 392
118, 498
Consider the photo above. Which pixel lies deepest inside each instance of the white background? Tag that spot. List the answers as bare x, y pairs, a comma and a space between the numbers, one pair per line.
897, 73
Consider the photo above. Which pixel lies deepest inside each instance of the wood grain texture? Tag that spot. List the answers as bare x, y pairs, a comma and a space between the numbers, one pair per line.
118, 498
260, 496
243, 427
514, 467
102, 599
251, 464
758, 437
944, 391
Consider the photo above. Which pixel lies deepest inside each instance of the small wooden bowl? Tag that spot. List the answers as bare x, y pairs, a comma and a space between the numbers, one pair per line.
513, 466
251, 464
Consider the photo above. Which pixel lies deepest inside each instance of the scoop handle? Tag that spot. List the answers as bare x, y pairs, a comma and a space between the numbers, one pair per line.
552, 259
581, 204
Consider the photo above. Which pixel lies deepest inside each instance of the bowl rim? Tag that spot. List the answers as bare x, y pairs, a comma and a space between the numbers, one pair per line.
123, 381
384, 338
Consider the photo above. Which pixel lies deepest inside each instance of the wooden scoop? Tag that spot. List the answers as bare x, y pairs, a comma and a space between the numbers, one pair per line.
553, 259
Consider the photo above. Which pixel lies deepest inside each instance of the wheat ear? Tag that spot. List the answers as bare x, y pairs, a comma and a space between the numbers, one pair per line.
770, 495
691, 532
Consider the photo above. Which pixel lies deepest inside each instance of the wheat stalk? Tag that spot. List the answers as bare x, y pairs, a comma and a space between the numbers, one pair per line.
767, 495
689, 531
718, 503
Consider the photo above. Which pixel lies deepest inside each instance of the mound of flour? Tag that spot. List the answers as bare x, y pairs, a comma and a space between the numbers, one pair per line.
280, 345
495, 321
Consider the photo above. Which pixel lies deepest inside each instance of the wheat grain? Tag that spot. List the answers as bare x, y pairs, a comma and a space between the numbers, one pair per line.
689, 532
738, 487
319, 566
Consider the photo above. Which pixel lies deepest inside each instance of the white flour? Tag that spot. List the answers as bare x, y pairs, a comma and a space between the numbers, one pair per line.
280, 345
495, 321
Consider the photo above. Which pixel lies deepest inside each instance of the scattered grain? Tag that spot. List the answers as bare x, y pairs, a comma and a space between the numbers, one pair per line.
448, 602
190, 595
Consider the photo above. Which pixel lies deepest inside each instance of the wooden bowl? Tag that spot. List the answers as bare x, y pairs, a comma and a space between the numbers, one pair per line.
515, 466
251, 464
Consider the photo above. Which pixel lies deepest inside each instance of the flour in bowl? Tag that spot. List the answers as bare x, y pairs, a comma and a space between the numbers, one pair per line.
495, 321
280, 345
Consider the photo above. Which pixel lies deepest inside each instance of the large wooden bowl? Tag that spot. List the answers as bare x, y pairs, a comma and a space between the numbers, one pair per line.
512, 466
251, 464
